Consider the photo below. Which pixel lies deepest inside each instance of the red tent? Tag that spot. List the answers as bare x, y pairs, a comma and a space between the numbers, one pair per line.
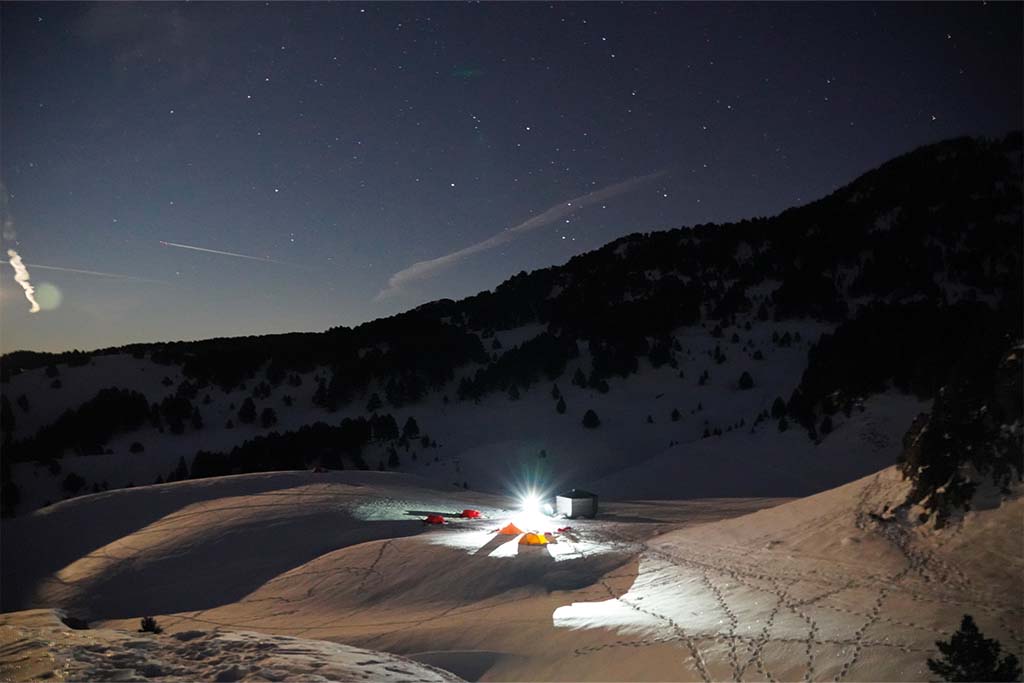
434, 519
470, 514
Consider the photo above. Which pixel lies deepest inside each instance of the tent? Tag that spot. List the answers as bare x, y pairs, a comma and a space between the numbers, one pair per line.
533, 539
434, 519
510, 530
470, 514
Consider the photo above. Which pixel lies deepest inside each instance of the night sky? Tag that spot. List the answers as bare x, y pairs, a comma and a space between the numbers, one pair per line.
370, 157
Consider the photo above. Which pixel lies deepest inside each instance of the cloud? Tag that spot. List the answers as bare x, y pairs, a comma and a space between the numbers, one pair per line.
21, 277
423, 270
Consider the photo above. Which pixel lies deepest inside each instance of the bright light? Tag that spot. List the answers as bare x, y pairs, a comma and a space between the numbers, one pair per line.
530, 503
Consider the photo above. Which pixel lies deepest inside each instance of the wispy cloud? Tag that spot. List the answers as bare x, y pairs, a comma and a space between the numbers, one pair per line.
265, 259
423, 270
22, 278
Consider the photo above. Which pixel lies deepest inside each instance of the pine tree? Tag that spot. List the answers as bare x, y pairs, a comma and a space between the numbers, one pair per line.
73, 483
268, 418
320, 395
513, 393
247, 413
6, 419
591, 420
579, 379
181, 471
826, 425
675, 415
778, 407
746, 381
555, 393
969, 656
560, 406
410, 430
197, 419
374, 404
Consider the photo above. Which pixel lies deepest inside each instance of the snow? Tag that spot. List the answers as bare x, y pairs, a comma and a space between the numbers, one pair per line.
490, 445
38, 645
863, 599
816, 588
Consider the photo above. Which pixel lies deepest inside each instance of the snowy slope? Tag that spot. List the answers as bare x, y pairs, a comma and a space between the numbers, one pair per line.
831, 586
823, 588
496, 442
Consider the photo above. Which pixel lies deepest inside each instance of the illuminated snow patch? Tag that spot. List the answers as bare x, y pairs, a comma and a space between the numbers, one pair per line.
663, 594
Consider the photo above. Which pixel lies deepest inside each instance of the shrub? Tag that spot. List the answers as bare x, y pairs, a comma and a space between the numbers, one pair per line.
149, 625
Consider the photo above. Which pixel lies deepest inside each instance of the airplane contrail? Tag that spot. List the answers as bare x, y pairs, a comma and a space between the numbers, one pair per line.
422, 270
21, 277
98, 273
265, 259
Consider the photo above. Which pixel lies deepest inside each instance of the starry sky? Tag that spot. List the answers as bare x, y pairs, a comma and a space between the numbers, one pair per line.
174, 171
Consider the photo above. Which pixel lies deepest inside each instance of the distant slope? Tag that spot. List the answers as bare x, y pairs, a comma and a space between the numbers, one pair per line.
680, 341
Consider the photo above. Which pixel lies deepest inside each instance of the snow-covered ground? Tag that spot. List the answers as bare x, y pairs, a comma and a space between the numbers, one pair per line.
37, 645
821, 588
498, 442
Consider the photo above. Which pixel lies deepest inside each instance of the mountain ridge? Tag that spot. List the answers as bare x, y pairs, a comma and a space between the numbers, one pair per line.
754, 327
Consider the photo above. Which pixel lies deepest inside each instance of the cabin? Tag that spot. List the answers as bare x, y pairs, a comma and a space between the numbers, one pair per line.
576, 503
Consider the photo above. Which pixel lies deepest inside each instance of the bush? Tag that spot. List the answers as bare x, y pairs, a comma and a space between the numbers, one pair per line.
149, 625
969, 656
591, 420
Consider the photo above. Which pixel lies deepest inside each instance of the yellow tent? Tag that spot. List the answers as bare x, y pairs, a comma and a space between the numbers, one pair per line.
510, 530
533, 539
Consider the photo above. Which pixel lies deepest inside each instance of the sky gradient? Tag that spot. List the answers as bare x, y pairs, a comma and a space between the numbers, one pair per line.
177, 171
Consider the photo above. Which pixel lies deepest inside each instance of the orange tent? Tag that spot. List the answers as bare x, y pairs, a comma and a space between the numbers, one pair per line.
470, 514
510, 530
434, 519
533, 539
